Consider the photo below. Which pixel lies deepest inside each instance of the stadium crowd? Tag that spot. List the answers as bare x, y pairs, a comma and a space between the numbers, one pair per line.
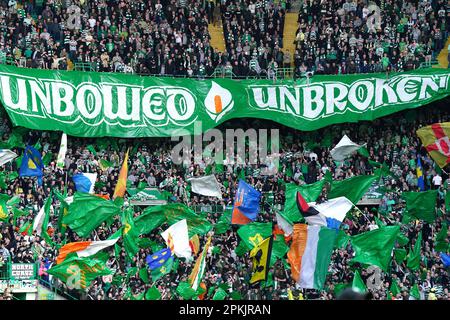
171, 37
304, 158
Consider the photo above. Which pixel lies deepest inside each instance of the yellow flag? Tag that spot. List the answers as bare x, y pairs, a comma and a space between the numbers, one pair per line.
261, 257
121, 186
435, 139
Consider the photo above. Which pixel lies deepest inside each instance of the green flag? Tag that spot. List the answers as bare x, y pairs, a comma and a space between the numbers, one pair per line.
26, 228
339, 287
399, 255
447, 201
104, 164
47, 158
352, 188
163, 270
63, 209
224, 223
254, 233
363, 152
87, 212
151, 218
185, 290
421, 205
402, 240
77, 273
279, 249
414, 292
143, 274
440, 242
91, 149
16, 139
375, 247
358, 284
241, 249
413, 261
220, 294
394, 289
153, 294
130, 235
42, 219
310, 193
342, 239
4, 212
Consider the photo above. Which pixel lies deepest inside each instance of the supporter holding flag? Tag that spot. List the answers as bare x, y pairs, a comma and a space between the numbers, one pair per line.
32, 165
246, 204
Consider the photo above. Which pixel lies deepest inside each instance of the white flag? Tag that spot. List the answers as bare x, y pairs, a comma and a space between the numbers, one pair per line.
330, 213
344, 148
284, 225
177, 239
6, 156
207, 186
62, 151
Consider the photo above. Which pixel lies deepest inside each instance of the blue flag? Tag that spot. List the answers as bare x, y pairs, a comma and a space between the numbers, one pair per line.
85, 182
246, 204
445, 259
420, 180
158, 259
32, 164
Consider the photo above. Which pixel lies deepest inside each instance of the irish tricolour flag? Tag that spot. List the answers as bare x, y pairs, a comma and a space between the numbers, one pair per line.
83, 248
310, 254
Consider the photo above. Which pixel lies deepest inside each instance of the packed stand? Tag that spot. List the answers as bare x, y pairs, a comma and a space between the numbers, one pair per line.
163, 37
304, 159
345, 36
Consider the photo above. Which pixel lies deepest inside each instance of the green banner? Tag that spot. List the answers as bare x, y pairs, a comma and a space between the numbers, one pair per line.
89, 104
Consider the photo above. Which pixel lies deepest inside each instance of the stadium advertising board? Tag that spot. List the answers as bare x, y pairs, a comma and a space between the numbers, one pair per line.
22, 271
89, 104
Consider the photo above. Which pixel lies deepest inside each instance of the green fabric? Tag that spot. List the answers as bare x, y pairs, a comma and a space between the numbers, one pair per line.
440, 242
375, 247
220, 294
224, 222
421, 205
130, 234
358, 284
402, 240
399, 255
414, 292
413, 261
87, 212
153, 294
363, 152
185, 290
254, 233
166, 268
394, 289
143, 274
352, 188
279, 249
342, 239
325, 246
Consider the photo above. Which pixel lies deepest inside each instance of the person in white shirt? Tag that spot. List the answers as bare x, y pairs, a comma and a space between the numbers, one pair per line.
437, 181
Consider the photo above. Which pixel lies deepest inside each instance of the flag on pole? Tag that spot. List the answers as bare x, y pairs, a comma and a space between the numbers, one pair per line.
121, 185
358, 284
413, 261
375, 247
310, 254
207, 186
445, 258
254, 233
352, 188
158, 259
42, 218
420, 179
260, 260
177, 239
246, 204
85, 182
344, 148
130, 235
421, 205
32, 165
83, 248
4, 212
330, 213
6, 156
436, 141
199, 268
62, 152
284, 225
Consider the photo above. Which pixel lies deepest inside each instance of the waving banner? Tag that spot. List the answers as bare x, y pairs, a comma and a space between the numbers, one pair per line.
89, 104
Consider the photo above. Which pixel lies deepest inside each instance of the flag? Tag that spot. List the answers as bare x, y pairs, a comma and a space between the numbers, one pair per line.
207, 186
87, 212
62, 152
158, 259
445, 258
31, 165
413, 261
153, 294
279, 249
4, 212
435, 140
309, 191
310, 254
440, 241
414, 292
6, 156
185, 290
130, 235
375, 247
194, 243
78, 273
421, 205
151, 218
399, 255
41, 220
177, 239
344, 148
104, 164
284, 225
352, 188
196, 275
164, 269
224, 223
254, 233
26, 229
85, 182
260, 255
246, 204
63, 208
358, 284
121, 185
330, 213
420, 179
220, 294
83, 248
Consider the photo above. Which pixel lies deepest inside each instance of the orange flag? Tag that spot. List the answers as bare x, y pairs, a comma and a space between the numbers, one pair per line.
435, 139
121, 186
299, 235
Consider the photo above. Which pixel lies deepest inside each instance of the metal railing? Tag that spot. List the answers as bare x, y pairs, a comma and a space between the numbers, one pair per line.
56, 290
